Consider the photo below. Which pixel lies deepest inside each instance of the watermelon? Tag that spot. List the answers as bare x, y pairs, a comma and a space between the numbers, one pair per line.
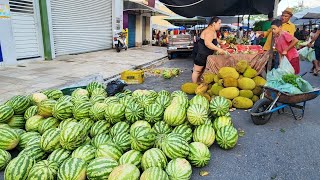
80, 92
134, 112
166, 74
94, 85
153, 94
87, 141
36, 98
142, 138
111, 100
99, 127
97, 99
100, 139
33, 123
97, 111
201, 100
87, 123
179, 94
48, 124
78, 99
221, 121
6, 112
114, 113
44, 170
50, 140
81, 110
5, 158
197, 114
45, 108
154, 173
181, 100
31, 111
161, 128
25, 138
204, 134
19, 104
154, 158
185, 131
119, 128
9, 138
131, 157
163, 100
33, 141
138, 124
179, 169
86, 153
125, 172
34, 151
65, 122
59, 156
109, 150
72, 136
127, 100
99, 91
153, 113
175, 115
19, 168
20, 131
219, 106
100, 168
123, 140
72, 168
54, 94
17, 121
227, 137
120, 96
139, 92
64, 98
62, 110
199, 155
163, 93
175, 146
145, 100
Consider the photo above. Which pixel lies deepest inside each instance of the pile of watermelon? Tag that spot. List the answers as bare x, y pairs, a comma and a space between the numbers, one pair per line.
88, 135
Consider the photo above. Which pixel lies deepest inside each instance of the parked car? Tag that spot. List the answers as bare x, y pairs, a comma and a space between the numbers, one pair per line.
179, 44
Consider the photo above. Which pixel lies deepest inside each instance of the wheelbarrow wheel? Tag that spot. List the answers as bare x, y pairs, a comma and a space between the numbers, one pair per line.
259, 107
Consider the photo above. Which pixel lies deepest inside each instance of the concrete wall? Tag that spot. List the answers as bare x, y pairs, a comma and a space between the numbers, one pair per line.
148, 29
139, 29
117, 16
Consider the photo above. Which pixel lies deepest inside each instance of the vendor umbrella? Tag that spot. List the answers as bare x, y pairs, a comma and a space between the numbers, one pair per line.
312, 13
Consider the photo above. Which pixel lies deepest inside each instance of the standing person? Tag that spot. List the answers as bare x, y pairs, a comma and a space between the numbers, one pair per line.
252, 37
240, 33
297, 34
158, 38
208, 43
312, 34
265, 27
304, 33
285, 45
316, 63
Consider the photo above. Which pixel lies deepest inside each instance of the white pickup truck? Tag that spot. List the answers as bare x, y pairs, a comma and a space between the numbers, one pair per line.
182, 43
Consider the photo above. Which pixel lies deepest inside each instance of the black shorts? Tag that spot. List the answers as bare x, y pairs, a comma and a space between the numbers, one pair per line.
201, 60
317, 52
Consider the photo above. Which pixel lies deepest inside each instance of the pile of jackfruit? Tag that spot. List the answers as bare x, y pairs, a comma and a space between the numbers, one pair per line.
241, 85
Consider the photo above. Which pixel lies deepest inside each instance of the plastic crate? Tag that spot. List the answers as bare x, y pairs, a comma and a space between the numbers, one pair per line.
133, 77
68, 91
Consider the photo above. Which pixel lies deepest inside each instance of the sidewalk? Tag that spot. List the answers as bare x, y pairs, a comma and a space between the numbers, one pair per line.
32, 76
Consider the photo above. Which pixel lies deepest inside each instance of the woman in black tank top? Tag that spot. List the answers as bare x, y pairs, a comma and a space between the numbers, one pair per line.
206, 46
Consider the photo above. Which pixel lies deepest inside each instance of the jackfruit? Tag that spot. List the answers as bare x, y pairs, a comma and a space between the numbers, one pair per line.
230, 103
257, 91
250, 73
215, 89
255, 98
242, 103
216, 78
246, 93
202, 88
246, 84
228, 72
220, 82
208, 78
259, 81
189, 88
241, 66
207, 96
229, 93
230, 82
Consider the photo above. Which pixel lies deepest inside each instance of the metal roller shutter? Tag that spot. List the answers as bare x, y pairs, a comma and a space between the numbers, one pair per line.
81, 26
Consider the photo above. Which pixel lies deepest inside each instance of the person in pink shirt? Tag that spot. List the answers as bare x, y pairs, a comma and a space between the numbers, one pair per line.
285, 45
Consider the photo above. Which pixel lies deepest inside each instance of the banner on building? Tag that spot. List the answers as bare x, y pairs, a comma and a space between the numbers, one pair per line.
4, 11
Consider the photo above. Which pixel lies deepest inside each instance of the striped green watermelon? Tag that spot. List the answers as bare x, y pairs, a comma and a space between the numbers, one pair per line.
72, 168
185, 131
97, 99
179, 169
197, 114
100, 139
45, 108
78, 99
97, 111
125, 172
227, 137
179, 94
36, 98
9, 138
19, 104
111, 100
20, 132
208, 122
99, 127
94, 85
72, 136
154, 113
80, 92
17, 121
164, 93
31, 111
44, 170
134, 112
145, 100
127, 92
33, 123
201, 100
86, 153
175, 115
123, 140
54, 94
128, 100
87, 123
167, 74
6, 112
62, 110
2, 125
175, 146
5, 158
220, 122
181, 100
139, 92
25, 138
50, 140
48, 123
119, 128
138, 124
154, 173
34, 151
204, 134
64, 98
19, 168
33, 141
99, 91
163, 100
59, 156
81, 110
65, 122
154, 158
219, 106
100, 168
87, 141
114, 113
162, 127
131, 157
199, 155
142, 138
153, 94
120, 95
109, 150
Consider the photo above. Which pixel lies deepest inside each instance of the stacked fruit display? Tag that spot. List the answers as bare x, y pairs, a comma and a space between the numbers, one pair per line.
141, 134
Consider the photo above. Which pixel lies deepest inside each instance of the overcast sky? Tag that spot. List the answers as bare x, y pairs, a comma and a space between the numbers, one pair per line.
290, 3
